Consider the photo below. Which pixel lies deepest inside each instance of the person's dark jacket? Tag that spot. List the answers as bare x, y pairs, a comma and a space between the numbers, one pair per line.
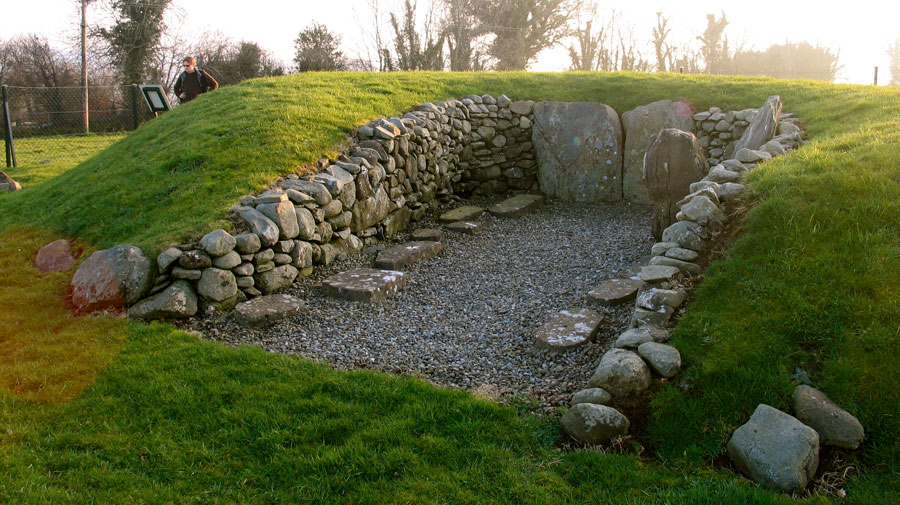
193, 84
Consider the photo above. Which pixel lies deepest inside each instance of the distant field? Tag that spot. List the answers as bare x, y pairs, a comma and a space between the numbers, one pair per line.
810, 285
41, 158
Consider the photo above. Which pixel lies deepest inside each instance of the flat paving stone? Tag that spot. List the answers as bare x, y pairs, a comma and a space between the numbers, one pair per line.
467, 227
569, 329
364, 284
406, 254
659, 273
464, 213
429, 234
267, 309
516, 206
615, 291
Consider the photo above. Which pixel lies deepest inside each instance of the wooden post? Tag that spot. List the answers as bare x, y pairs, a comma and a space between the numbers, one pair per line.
876, 76
84, 70
7, 132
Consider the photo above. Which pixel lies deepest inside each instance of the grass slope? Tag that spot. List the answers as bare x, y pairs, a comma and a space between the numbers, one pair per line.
811, 285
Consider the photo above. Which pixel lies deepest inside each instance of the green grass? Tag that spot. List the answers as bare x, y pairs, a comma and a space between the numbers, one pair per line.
42, 158
811, 285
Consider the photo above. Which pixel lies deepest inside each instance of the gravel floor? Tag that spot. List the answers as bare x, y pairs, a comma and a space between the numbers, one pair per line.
468, 317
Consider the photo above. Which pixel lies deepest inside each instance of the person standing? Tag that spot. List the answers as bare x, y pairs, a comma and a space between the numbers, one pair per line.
193, 81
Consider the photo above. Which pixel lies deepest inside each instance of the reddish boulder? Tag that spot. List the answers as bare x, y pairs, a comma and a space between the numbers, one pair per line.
112, 278
55, 257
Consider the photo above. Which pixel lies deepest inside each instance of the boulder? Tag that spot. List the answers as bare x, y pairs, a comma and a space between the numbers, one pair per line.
673, 162
247, 243
55, 256
621, 373
663, 359
835, 426
177, 301
218, 243
277, 278
259, 224
639, 125
579, 151
112, 278
194, 260
217, 285
762, 129
598, 396
687, 234
267, 309
775, 450
594, 424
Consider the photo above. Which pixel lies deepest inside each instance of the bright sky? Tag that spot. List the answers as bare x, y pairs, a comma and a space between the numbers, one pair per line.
861, 29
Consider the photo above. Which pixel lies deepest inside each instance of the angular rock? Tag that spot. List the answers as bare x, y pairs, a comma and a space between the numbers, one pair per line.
194, 260
594, 424
634, 337
835, 426
186, 273
639, 125
112, 278
467, 227
217, 285
259, 224
663, 359
364, 284
673, 162
621, 373
464, 213
277, 278
682, 254
55, 256
654, 273
615, 291
579, 151
177, 301
645, 317
302, 254
687, 234
247, 243
168, 258
284, 216
568, 329
721, 175
400, 256
314, 189
371, 211
218, 243
306, 224
397, 221
656, 299
516, 206
751, 156
762, 129
597, 396
775, 450
267, 309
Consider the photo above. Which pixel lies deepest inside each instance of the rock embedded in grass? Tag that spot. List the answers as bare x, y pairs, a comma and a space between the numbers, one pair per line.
590, 423
54, 257
835, 426
597, 396
775, 450
663, 359
112, 278
621, 372
177, 301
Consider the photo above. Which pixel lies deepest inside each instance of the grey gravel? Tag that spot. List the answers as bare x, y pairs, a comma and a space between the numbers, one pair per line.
468, 317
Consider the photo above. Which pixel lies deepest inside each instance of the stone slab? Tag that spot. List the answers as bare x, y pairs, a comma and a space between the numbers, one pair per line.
428, 234
464, 213
467, 227
568, 329
403, 255
615, 291
516, 206
364, 284
659, 273
267, 309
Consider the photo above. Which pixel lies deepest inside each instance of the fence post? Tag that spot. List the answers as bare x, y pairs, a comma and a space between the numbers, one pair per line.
7, 132
134, 102
876, 76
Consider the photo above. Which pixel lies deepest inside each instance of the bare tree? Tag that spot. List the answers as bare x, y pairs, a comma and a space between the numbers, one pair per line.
663, 49
893, 51
372, 51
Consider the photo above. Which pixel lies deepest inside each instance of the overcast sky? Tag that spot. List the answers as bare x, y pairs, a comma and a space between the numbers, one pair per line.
861, 30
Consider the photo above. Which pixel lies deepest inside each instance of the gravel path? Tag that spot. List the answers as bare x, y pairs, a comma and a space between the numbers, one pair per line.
468, 317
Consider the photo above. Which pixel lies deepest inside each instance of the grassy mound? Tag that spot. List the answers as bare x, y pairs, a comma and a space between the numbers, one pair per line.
811, 286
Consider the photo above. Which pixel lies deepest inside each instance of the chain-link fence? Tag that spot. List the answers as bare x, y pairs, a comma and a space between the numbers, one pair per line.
57, 115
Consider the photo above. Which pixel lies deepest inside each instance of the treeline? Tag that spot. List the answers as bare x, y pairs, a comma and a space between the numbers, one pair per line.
140, 43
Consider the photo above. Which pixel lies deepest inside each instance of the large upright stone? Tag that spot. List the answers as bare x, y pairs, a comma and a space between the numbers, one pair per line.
112, 278
579, 150
762, 129
259, 224
775, 450
284, 217
639, 125
673, 162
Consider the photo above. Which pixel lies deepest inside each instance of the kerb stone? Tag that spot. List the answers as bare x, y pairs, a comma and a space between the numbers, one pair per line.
364, 284
404, 255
